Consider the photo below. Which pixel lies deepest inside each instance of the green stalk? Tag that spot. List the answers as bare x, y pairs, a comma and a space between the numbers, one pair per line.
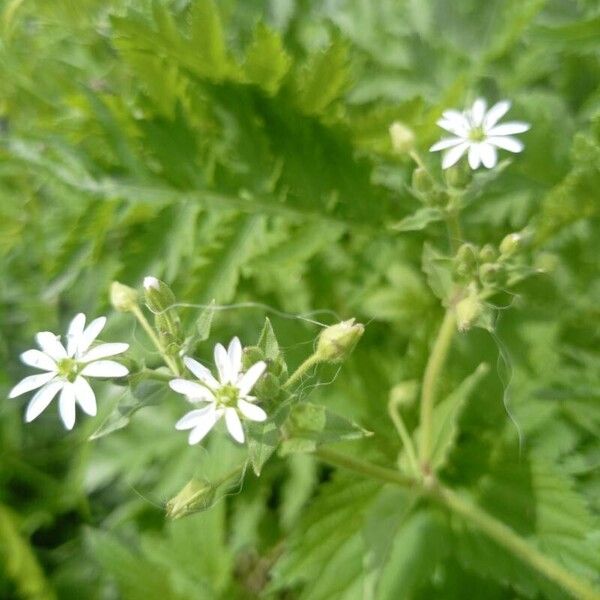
433, 370
394, 413
139, 315
310, 362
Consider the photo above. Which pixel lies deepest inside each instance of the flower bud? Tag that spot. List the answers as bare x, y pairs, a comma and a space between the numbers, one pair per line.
268, 387
421, 181
197, 495
158, 295
511, 244
458, 176
403, 138
465, 262
405, 393
468, 309
251, 355
487, 254
336, 342
122, 297
489, 273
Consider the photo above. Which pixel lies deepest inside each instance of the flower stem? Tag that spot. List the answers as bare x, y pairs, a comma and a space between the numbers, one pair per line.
454, 230
489, 525
139, 315
433, 370
310, 362
507, 538
394, 413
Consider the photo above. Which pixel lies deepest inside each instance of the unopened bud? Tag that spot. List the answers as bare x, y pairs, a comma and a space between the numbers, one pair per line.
510, 244
158, 295
468, 309
405, 393
122, 297
403, 138
487, 254
197, 495
251, 355
337, 341
465, 262
421, 181
268, 387
458, 176
489, 273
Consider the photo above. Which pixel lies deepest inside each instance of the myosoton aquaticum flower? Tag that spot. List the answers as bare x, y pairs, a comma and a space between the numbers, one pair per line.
66, 369
226, 397
477, 133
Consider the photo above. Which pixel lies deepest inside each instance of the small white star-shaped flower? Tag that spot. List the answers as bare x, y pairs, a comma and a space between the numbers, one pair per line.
66, 368
226, 397
478, 133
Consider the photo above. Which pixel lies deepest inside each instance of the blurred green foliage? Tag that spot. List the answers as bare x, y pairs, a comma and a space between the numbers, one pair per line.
240, 152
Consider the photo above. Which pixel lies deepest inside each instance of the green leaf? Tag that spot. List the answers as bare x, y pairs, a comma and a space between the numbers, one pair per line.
438, 269
19, 560
420, 219
324, 78
267, 62
267, 341
310, 425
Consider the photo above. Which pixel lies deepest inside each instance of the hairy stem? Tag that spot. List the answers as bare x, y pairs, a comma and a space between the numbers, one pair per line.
508, 539
489, 525
310, 362
433, 370
454, 230
139, 315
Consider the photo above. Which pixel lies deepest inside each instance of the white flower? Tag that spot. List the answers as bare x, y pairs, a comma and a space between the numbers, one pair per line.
66, 369
228, 397
478, 133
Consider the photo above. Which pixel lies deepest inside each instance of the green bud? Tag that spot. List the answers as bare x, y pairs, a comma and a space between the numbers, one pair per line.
511, 244
251, 355
421, 181
468, 309
489, 273
458, 176
122, 297
197, 495
465, 262
268, 387
437, 198
158, 295
403, 138
336, 342
405, 393
488, 254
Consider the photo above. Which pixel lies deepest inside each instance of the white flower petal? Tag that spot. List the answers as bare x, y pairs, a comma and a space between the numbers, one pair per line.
234, 352
446, 143
509, 128
201, 372
452, 156
105, 368
151, 282
223, 364
474, 156
85, 396
495, 113
194, 418
250, 377
51, 345
31, 383
459, 128
41, 399
506, 143
251, 411
103, 350
191, 389
66, 405
91, 332
38, 360
234, 425
478, 112
74, 333
488, 155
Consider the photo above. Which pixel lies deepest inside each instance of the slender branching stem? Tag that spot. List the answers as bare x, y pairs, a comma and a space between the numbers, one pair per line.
139, 315
394, 412
309, 363
433, 370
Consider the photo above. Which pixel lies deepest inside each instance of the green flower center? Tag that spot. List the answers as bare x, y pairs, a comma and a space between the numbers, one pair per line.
227, 395
477, 134
68, 368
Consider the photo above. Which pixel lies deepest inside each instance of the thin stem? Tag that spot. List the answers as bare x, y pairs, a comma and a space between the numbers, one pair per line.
506, 537
310, 362
368, 469
433, 370
396, 417
454, 229
139, 315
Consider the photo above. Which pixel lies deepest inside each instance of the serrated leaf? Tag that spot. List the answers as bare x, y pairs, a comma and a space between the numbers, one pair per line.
420, 219
267, 62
